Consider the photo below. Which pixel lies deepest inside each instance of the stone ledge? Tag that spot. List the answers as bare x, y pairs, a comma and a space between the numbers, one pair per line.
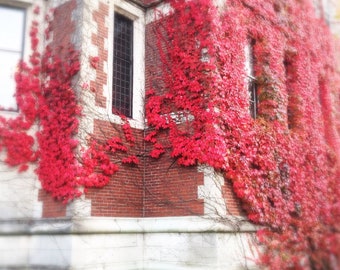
108, 225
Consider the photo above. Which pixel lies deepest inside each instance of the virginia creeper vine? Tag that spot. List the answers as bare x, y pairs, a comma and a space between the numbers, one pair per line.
47, 98
284, 165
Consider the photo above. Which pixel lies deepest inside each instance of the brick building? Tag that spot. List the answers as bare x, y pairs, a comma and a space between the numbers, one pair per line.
155, 215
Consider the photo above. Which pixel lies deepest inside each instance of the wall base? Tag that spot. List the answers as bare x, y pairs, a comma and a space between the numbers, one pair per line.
185, 243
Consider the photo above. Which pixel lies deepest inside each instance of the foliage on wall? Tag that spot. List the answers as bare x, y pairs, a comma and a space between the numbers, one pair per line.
284, 165
46, 95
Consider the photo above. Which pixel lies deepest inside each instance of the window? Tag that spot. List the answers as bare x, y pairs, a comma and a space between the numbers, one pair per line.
12, 24
251, 80
293, 110
252, 88
122, 94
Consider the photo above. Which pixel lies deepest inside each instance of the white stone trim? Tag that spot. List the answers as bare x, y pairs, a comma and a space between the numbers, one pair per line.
211, 192
98, 225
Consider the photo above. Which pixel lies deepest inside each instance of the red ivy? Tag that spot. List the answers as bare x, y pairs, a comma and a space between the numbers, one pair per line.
46, 97
94, 60
284, 165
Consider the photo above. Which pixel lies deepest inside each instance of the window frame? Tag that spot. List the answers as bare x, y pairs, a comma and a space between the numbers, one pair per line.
124, 110
137, 15
24, 10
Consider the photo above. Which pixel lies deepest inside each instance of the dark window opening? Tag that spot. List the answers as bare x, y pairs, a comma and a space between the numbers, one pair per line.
252, 85
253, 106
122, 66
292, 100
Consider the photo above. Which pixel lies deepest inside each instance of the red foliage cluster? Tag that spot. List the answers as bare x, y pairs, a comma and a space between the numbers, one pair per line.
46, 97
94, 62
284, 165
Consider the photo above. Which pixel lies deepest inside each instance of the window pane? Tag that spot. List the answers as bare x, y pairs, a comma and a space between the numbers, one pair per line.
11, 46
11, 28
8, 66
122, 66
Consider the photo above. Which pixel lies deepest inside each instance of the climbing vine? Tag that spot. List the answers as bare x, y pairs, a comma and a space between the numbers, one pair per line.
46, 95
284, 165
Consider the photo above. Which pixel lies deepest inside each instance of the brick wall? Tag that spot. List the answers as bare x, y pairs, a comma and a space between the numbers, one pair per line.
233, 204
98, 40
171, 190
62, 25
123, 196
51, 207
155, 187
